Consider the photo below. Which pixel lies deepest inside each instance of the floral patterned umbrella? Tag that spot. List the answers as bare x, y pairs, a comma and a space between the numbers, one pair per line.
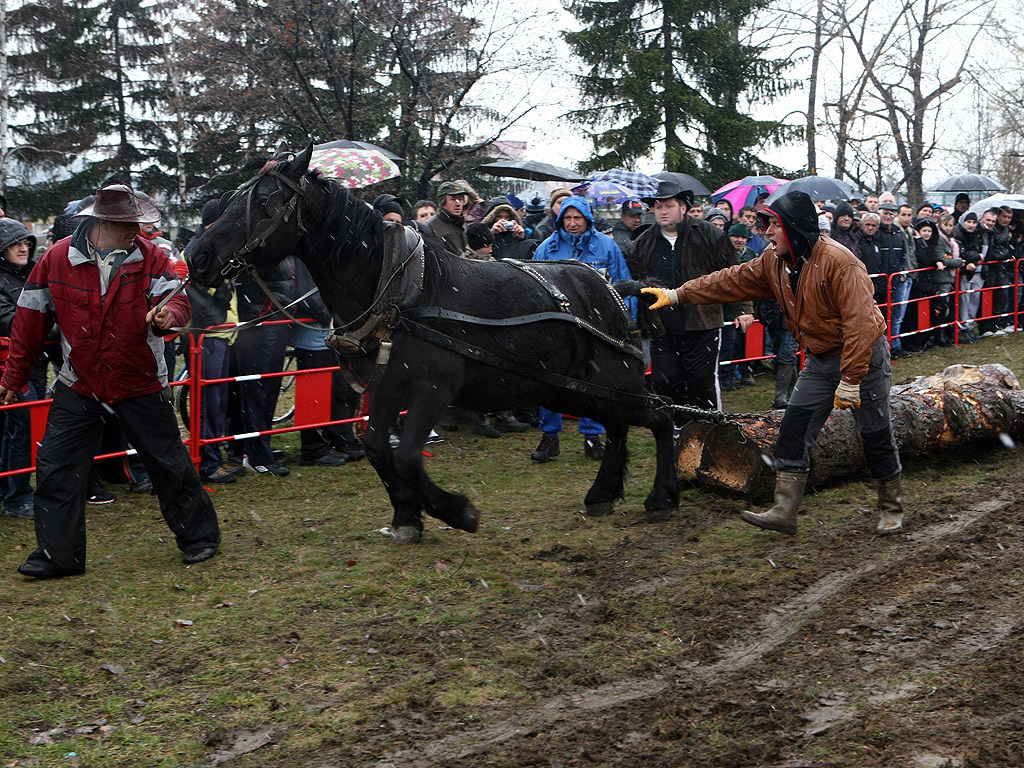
353, 167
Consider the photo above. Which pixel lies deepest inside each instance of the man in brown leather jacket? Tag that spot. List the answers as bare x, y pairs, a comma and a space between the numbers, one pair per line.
827, 300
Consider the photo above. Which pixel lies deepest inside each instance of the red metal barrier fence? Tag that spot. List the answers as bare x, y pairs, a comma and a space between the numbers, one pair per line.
313, 386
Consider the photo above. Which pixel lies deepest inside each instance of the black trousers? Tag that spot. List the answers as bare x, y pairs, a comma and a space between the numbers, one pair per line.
72, 438
684, 367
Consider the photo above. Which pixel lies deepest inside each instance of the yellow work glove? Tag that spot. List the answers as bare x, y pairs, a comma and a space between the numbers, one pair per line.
847, 396
666, 297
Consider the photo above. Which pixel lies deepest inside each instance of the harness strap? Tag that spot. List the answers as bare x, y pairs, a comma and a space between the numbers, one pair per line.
548, 377
625, 345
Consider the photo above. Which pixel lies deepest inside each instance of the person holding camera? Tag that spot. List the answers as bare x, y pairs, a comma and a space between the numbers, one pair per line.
510, 240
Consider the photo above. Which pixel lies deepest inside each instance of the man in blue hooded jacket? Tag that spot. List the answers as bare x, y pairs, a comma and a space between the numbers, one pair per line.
576, 238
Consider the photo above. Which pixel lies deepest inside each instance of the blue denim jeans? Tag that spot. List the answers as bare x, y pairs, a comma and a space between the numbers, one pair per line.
552, 422
900, 294
16, 451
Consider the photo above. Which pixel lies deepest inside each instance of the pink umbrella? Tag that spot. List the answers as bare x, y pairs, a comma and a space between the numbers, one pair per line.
746, 191
353, 167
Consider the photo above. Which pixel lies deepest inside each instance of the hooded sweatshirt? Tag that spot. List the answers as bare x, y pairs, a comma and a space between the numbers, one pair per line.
591, 247
823, 289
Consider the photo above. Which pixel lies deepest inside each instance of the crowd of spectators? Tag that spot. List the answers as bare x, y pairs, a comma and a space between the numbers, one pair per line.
920, 254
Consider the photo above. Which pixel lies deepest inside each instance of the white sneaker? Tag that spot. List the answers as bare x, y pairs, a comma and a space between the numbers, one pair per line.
1001, 332
433, 438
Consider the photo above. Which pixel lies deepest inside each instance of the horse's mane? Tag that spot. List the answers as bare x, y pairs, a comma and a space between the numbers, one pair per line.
345, 226
351, 229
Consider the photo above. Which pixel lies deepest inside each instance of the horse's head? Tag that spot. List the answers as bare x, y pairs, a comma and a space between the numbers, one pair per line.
259, 223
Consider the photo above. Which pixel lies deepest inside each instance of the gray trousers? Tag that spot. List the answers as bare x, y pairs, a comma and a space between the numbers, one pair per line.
811, 404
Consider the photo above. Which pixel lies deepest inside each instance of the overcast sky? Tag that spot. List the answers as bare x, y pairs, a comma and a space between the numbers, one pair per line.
554, 140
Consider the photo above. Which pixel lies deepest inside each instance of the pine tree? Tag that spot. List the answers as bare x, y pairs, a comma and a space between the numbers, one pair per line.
675, 72
85, 79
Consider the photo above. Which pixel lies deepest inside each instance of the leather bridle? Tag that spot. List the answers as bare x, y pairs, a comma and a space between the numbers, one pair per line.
275, 205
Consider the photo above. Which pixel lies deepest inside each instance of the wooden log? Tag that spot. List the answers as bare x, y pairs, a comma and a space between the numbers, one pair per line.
962, 405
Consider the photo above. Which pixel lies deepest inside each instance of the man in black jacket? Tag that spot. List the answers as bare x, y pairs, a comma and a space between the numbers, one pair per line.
684, 357
998, 269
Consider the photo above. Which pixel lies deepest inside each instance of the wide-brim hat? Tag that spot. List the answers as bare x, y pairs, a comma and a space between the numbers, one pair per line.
668, 190
118, 202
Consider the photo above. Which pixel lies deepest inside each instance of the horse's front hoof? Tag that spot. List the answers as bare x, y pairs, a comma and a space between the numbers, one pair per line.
406, 534
658, 515
468, 521
601, 509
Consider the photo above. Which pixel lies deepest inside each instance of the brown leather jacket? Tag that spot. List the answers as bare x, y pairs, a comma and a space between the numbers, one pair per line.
832, 312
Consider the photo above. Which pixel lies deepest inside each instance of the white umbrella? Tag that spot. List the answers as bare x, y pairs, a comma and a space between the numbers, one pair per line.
998, 201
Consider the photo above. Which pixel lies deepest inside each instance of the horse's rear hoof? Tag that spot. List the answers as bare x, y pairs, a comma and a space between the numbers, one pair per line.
601, 509
658, 515
406, 534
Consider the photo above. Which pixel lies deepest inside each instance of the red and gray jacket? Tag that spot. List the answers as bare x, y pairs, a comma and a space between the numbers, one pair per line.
110, 352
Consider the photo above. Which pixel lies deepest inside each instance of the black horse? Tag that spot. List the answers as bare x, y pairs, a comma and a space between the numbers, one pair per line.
424, 329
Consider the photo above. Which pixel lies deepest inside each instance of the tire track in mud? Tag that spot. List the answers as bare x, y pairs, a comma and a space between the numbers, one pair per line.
778, 624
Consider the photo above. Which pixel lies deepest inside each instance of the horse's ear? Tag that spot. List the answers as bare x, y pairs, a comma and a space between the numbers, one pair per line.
300, 164
282, 149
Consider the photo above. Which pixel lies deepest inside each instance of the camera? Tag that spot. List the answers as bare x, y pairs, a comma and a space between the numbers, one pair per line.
507, 225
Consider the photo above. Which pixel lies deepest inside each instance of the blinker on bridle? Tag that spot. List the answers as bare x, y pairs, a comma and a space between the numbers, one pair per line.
279, 214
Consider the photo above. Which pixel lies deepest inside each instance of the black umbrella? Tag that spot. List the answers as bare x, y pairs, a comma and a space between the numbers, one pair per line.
968, 182
530, 169
346, 144
684, 180
816, 187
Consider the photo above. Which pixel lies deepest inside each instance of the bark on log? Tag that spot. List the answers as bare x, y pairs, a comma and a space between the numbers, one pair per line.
962, 405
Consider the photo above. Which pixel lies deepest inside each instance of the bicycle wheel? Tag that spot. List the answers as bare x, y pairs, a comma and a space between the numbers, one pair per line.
286, 399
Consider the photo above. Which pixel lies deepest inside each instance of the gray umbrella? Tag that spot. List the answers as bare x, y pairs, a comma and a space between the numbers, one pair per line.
816, 187
346, 144
530, 169
684, 180
968, 182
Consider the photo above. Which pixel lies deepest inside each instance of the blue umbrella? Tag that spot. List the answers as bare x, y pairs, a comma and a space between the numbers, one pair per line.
637, 184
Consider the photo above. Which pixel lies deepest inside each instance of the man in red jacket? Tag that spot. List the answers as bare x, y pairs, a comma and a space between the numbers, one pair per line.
103, 286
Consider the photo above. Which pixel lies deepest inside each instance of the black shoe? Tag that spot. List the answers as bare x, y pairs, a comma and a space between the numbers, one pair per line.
447, 422
592, 447
99, 496
221, 475
484, 429
236, 471
24, 511
197, 556
548, 447
748, 381
277, 454
351, 451
329, 458
44, 569
274, 468
143, 486
730, 386
509, 423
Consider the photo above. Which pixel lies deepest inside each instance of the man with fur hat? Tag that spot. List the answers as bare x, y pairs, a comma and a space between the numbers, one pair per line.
832, 311
510, 240
449, 223
113, 293
685, 341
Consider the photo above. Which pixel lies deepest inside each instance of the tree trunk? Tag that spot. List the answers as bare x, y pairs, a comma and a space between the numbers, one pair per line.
961, 405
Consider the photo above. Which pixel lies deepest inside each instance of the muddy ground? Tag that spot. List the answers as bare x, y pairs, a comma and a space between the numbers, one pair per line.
834, 648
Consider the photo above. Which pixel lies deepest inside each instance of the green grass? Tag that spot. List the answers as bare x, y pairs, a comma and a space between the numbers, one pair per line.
312, 622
